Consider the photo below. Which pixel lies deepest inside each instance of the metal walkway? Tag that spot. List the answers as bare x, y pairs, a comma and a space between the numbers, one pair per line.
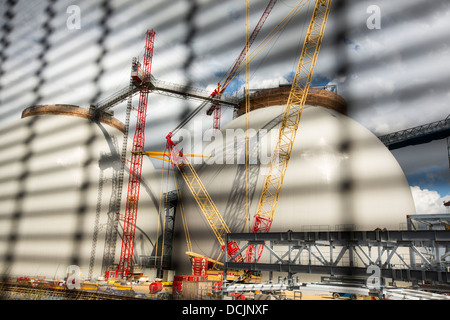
169, 89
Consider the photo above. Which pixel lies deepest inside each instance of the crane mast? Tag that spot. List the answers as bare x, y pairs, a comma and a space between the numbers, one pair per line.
134, 181
288, 128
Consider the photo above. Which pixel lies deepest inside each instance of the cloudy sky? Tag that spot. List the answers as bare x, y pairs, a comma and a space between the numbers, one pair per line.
389, 59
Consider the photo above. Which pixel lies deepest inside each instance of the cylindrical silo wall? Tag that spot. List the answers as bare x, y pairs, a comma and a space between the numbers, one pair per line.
58, 183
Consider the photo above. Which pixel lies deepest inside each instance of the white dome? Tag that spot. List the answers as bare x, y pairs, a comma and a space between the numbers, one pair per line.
51, 172
340, 176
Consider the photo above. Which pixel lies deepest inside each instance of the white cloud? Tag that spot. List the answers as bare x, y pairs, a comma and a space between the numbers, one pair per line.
382, 128
428, 201
268, 83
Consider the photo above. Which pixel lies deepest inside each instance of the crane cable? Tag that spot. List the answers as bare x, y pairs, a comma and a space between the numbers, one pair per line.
189, 117
183, 215
248, 43
280, 26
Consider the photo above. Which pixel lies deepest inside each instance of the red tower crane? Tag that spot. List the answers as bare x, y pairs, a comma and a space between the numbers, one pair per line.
134, 181
234, 69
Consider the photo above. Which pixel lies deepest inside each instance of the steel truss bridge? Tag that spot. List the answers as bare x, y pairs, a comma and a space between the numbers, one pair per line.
400, 255
417, 135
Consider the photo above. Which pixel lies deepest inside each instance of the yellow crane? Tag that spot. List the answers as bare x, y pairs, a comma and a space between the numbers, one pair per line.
277, 168
288, 128
202, 197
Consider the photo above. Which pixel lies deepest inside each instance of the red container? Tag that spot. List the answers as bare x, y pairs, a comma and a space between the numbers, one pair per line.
155, 287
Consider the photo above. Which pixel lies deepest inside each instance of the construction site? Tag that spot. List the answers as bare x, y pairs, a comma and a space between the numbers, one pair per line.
264, 193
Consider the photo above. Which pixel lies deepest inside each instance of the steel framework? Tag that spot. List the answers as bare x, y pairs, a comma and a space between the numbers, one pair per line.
112, 225
161, 256
400, 255
202, 197
165, 88
428, 221
417, 135
134, 181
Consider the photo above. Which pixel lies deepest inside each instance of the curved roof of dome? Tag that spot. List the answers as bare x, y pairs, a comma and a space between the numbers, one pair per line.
340, 176
71, 110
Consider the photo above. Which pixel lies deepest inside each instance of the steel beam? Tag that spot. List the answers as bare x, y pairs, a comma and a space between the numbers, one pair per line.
165, 88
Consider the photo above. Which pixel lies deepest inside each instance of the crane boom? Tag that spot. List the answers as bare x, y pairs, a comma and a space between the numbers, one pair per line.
202, 197
251, 39
289, 124
216, 108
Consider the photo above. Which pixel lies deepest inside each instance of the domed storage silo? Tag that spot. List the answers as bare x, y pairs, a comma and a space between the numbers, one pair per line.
340, 175
58, 189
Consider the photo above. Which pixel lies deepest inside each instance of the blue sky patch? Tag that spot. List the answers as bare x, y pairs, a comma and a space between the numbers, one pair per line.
433, 179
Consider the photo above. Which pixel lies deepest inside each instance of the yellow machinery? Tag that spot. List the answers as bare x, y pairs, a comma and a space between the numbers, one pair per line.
202, 197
